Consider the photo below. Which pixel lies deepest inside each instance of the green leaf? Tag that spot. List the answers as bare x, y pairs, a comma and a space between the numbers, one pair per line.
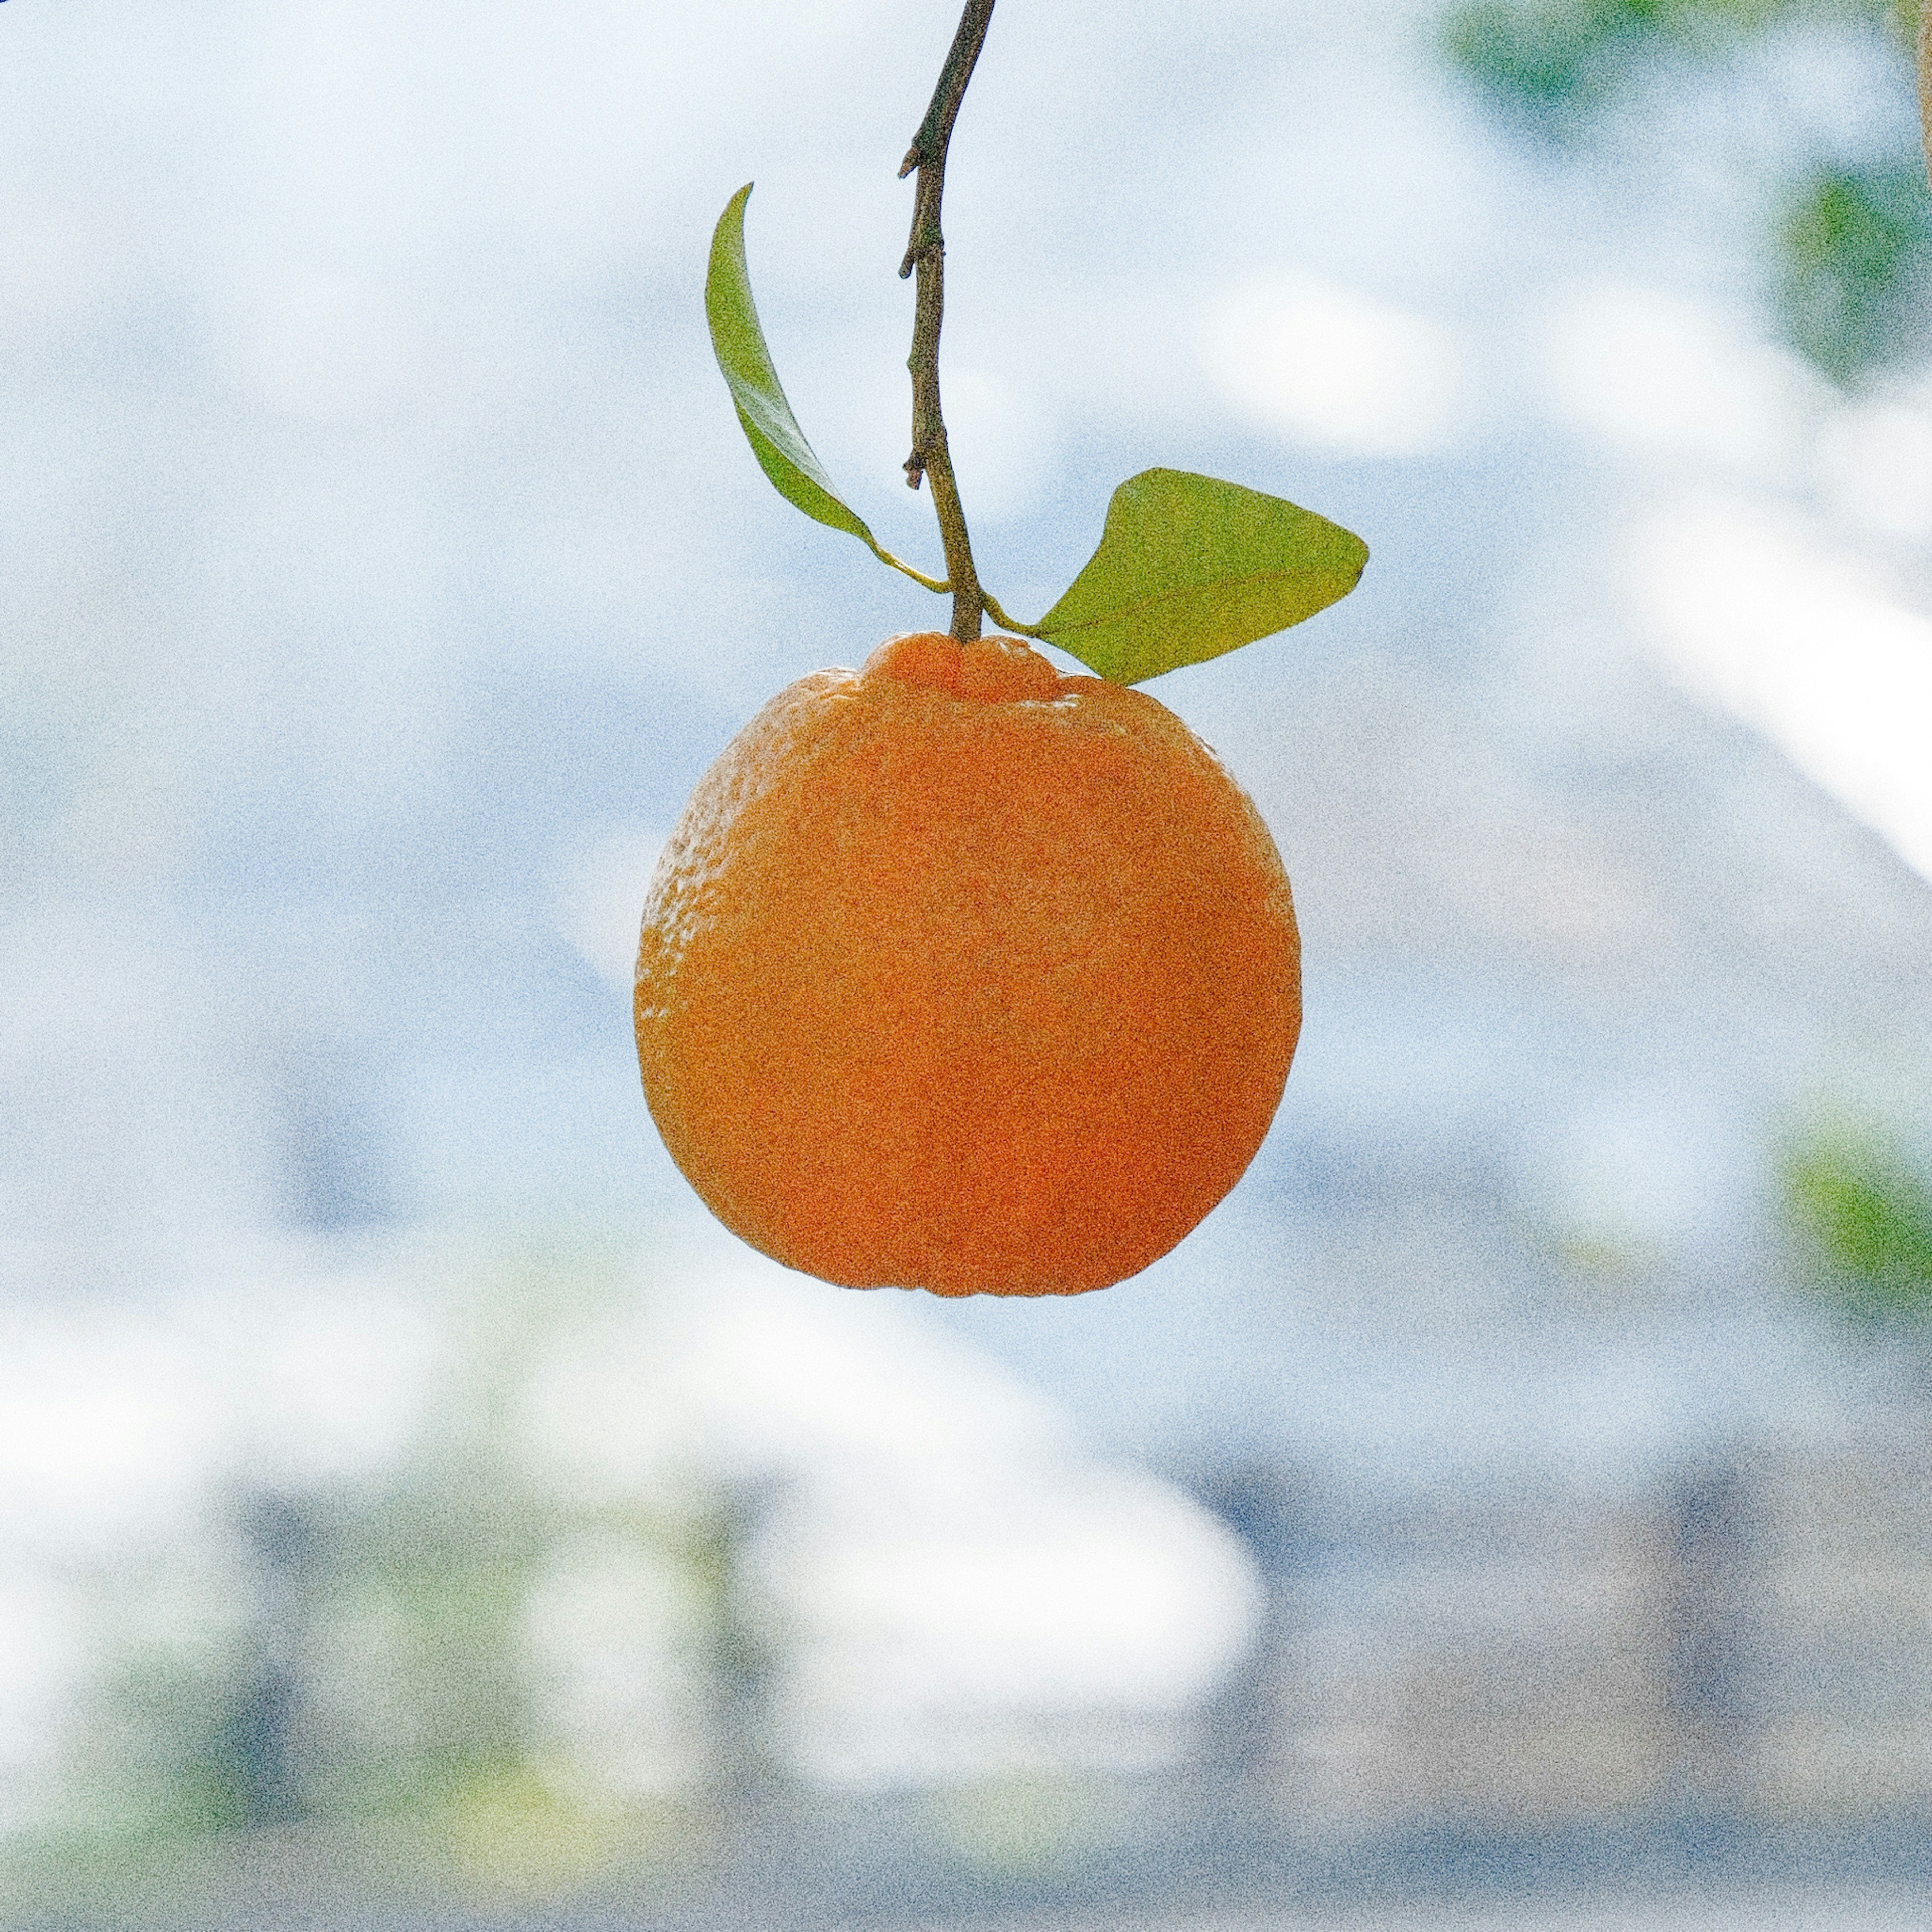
1189, 567
739, 343
772, 430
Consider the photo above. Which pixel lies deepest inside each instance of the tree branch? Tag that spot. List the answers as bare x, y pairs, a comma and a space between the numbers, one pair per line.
925, 252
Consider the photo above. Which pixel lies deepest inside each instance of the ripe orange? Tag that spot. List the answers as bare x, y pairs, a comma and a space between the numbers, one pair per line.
960, 974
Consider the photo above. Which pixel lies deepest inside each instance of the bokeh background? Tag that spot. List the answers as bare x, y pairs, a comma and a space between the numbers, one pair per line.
1513, 1506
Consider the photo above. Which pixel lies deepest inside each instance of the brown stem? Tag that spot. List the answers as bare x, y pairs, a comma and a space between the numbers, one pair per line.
926, 252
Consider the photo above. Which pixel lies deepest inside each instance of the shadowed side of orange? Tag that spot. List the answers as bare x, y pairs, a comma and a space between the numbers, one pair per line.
960, 974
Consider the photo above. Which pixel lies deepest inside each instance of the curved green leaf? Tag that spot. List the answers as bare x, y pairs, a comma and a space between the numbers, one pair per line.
771, 429
1189, 567
739, 343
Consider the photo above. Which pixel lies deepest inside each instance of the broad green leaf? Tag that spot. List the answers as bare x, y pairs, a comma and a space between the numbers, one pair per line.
1189, 567
772, 430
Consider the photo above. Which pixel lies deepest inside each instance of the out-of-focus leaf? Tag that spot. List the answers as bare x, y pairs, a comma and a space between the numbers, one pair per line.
1852, 258
739, 343
1857, 248
1189, 567
1541, 61
1867, 1213
1551, 60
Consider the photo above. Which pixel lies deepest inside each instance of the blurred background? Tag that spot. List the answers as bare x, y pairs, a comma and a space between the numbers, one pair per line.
1512, 1507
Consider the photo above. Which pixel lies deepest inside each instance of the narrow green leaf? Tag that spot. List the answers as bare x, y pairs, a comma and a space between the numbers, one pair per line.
1189, 567
772, 430
739, 343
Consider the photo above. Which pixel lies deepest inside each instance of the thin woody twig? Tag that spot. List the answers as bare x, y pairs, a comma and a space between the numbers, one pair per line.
926, 254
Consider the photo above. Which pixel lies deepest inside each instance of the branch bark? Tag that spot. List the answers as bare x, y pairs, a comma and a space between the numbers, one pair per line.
926, 255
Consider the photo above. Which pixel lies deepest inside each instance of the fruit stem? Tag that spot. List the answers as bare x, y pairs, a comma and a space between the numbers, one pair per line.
926, 252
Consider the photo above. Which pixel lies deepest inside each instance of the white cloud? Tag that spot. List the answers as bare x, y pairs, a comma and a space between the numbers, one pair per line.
1336, 368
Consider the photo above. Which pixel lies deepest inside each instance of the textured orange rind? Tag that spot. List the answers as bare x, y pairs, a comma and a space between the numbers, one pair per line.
961, 974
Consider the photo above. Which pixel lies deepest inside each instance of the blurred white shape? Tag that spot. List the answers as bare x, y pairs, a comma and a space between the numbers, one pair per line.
747, 1370
1875, 463
615, 1632
332, 1380
1336, 368
964, 1629
1632, 1173
951, 1575
114, 1424
1676, 379
601, 900
102, 1430
1756, 616
41, 1655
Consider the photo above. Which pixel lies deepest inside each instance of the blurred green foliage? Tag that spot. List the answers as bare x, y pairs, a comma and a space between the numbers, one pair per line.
352, 1663
1855, 245
1850, 239
1549, 58
1865, 1209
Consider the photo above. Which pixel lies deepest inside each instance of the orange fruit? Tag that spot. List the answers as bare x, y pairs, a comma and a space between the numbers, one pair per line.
957, 974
